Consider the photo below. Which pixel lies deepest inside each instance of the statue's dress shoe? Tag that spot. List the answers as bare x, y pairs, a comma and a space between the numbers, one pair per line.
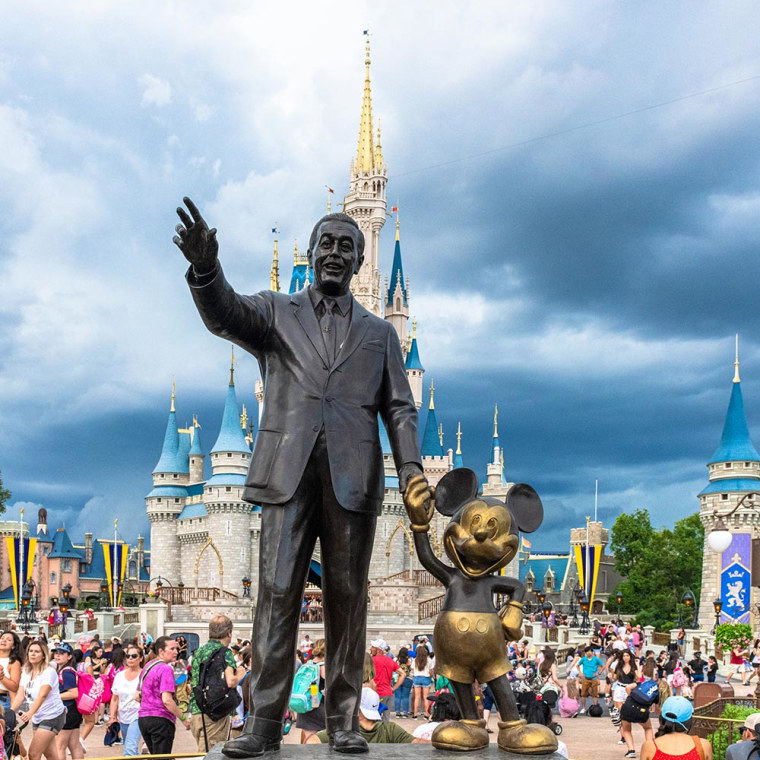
526, 738
460, 735
349, 742
250, 745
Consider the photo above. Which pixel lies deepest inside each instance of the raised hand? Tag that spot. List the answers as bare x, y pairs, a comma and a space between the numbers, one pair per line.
418, 500
197, 242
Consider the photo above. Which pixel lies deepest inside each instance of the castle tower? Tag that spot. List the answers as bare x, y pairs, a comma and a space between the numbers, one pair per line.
196, 454
166, 501
495, 469
229, 517
734, 472
366, 201
435, 463
414, 368
397, 296
300, 277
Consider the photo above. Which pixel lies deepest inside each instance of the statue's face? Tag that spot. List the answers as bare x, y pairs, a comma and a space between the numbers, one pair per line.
335, 257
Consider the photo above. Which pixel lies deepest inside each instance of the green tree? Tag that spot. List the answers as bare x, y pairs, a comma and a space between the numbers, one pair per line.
659, 566
5, 494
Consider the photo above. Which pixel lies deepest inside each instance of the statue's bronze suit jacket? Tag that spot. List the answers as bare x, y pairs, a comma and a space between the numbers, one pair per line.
303, 393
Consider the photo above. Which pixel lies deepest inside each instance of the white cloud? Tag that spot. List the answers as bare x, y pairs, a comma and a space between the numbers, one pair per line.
156, 92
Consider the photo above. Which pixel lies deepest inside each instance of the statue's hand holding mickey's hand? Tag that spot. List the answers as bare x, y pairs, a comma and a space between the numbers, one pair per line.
419, 502
197, 242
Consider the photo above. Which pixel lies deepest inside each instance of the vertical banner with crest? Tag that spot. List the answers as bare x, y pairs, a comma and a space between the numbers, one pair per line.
115, 554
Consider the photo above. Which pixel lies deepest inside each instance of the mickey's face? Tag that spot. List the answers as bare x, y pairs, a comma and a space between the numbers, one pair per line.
480, 539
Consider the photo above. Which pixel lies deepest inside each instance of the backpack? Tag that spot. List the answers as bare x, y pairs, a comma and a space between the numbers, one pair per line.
595, 711
646, 693
300, 697
90, 694
212, 695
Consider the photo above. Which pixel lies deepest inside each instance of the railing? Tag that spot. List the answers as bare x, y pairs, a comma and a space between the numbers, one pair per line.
660, 639
418, 577
79, 625
92, 625
131, 617
313, 614
188, 594
429, 608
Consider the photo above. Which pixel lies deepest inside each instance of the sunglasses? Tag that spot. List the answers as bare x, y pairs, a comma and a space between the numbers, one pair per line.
132, 656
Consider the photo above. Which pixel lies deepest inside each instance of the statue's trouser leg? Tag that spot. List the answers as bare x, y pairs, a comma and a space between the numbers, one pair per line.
465, 699
504, 698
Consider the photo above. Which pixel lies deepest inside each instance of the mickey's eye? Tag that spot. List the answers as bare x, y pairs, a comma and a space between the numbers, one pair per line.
476, 521
491, 523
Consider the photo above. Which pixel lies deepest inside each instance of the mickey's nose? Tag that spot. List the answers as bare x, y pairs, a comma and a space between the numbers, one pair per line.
481, 534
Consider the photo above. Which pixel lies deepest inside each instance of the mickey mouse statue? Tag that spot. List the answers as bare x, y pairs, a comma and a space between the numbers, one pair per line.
470, 633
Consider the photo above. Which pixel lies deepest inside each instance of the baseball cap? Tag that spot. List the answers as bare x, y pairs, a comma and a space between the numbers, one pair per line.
64, 647
751, 721
677, 709
370, 704
378, 643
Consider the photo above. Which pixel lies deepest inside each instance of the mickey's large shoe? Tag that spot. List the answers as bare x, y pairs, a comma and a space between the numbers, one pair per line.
250, 745
348, 742
526, 738
460, 735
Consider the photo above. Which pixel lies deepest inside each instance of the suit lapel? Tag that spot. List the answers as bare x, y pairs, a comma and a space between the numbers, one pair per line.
304, 313
356, 330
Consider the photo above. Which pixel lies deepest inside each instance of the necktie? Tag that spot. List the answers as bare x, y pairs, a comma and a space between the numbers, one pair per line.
328, 329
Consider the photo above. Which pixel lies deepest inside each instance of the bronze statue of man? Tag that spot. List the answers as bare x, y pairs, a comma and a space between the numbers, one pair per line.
329, 367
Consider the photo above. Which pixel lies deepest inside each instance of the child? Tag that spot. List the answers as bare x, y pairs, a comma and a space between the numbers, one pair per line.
568, 702
712, 669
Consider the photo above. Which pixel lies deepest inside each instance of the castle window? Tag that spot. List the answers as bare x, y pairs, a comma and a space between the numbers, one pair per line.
176, 501
228, 528
175, 476
158, 499
724, 497
229, 455
228, 489
52, 577
727, 465
66, 566
748, 464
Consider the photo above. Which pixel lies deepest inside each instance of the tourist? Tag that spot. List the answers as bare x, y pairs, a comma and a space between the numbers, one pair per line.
590, 666
158, 710
680, 639
68, 738
385, 667
697, 667
404, 689
627, 679
39, 683
315, 720
672, 739
444, 708
10, 666
124, 708
372, 727
547, 672
712, 669
749, 746
208, 732
422, 672
95, 665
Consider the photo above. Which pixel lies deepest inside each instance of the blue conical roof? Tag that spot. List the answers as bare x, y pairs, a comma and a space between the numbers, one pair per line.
183, 453
397, 275
196, 449
735, 444
231, 435
431, 443
168, 460
413, 357
458, 461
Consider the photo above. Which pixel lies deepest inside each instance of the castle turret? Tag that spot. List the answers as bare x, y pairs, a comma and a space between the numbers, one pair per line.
196, 454
496, 484
397, 296
366, 201
734, 472
435, 462
414, 368
169, 469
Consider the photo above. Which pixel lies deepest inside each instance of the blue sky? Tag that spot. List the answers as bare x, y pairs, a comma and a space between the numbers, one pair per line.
580, 204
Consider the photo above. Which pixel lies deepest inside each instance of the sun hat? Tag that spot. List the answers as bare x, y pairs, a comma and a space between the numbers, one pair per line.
370, 704
378, 643
677, 709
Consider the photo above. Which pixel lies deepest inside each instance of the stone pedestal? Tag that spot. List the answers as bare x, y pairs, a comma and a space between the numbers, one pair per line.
153, 618
384, 752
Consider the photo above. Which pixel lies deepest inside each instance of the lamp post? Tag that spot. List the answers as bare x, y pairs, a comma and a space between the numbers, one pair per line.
26, 608
546, 609
717, 606
573, 609
719, 538
585, 622
541, 595
619, 600
64, 608
102, 599
690, 602
246, 587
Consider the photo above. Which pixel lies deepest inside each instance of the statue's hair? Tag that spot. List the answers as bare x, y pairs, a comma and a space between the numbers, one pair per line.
339, 217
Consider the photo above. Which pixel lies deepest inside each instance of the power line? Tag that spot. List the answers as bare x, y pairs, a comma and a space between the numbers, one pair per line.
561, 132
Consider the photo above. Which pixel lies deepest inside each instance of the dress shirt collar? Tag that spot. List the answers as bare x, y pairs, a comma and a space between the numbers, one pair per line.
342, 302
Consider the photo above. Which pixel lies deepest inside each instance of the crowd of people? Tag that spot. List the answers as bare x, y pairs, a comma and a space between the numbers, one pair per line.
141, 691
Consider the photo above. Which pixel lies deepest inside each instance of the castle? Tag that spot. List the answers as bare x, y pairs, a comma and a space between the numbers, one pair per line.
202, 533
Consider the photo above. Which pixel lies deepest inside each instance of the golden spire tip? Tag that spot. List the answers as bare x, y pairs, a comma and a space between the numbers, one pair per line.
496, 421
414, 327
737, 379
432, 391
459, 438
232, 367
174, 393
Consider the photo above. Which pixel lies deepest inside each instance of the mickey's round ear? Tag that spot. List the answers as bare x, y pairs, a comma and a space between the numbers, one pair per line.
455, 489
525, 504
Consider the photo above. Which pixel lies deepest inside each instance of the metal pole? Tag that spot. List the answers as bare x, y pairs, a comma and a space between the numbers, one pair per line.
115, 572
21, 557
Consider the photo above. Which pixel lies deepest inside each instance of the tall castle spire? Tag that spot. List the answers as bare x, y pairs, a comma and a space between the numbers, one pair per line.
458, 461
396, 297
366, 201
167, 462
431, 442
274, 272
